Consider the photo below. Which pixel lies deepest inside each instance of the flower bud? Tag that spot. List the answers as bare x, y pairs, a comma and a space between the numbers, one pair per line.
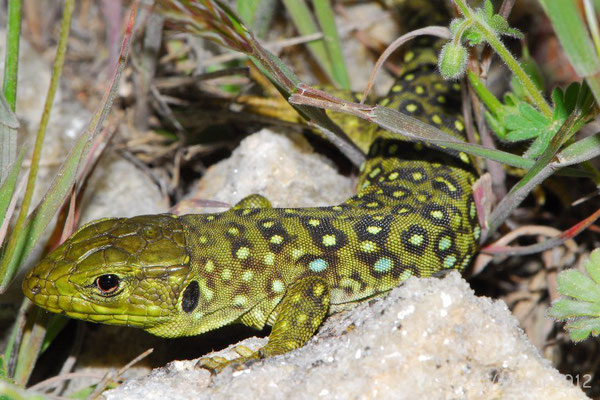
452, 61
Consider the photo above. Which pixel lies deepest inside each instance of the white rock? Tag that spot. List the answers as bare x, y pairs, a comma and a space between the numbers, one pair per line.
477, 351
283, 168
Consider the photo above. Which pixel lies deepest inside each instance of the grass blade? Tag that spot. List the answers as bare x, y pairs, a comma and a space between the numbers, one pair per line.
9, 262
331, 39
214, 20
7, 190
11, 58
8, 137
305, 23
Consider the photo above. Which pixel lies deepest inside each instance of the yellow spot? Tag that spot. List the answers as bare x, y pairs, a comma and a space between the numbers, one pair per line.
455, 86
186, 259
301, 319
403, 210
409, 56
373, 204
411, 108
209, 266
210, 217
242, 253
206, 292
268, 224
437, 214
318, 289
337, 208
466, 261
226, 274
441, 99
276, 239
384, 102
445, 243
419, 89
473, 210
288, 210
418, 146
329, 240
409, 77
399, 193
397, 88
393, 176
379, 217
202, 239
269, 258
393, 149
464, 157
314, 222
277, 286
456, 221
239, 300
246, 211
459, 126
407, 273
417, 176
375, 172
297, 253
449, 185
476, 232
422, 198
368, 246
416, 240
436, 119
233, 231
438, 86
247, 275
373, 230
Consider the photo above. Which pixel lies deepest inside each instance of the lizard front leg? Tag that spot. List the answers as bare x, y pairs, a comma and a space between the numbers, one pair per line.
299, 314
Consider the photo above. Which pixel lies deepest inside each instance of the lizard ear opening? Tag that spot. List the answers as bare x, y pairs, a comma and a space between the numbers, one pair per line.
190, 297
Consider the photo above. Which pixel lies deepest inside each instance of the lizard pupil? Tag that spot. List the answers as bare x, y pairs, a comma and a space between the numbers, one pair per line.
108, 283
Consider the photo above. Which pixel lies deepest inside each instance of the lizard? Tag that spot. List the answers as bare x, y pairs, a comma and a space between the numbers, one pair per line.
413, 215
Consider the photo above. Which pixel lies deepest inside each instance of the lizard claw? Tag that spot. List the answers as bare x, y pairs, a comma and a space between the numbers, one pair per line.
216, 364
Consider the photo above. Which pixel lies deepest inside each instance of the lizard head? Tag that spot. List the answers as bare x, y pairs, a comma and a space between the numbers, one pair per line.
119, 271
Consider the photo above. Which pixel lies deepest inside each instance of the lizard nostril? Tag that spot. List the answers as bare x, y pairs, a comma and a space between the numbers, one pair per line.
36, 289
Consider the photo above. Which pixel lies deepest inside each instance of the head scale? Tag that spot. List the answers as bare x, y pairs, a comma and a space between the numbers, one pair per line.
119, 271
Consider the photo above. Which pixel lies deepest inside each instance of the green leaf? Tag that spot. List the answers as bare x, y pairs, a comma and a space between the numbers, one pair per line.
473, 36
574, 284
582, 305
563, 309
592, 266
581, 329
489, 9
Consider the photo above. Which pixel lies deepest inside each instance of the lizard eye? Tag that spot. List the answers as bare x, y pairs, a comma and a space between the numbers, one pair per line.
108, 283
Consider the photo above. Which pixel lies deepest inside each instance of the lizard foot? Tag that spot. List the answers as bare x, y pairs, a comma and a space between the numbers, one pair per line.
216, 364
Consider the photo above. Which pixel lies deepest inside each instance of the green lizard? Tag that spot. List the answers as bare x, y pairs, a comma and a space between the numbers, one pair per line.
413, 215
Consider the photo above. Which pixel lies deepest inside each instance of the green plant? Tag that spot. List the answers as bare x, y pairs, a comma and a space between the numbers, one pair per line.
581, 306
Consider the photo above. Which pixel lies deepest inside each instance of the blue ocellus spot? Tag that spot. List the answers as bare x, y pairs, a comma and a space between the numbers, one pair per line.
384, 264
318, 265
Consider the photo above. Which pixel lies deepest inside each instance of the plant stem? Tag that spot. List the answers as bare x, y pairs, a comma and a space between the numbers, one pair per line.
13, 251
513, 64
11, 60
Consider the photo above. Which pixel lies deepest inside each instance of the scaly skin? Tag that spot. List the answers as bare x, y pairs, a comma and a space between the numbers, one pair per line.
413, 215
